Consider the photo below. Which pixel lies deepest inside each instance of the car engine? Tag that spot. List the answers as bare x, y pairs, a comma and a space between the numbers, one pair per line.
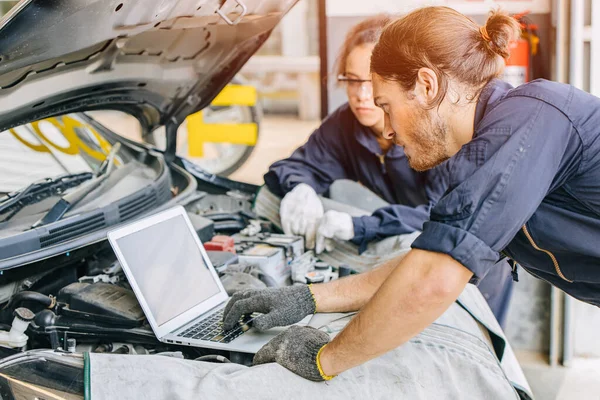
82, 302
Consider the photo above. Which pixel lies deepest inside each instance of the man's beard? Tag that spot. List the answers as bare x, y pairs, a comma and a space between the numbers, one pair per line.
429, 137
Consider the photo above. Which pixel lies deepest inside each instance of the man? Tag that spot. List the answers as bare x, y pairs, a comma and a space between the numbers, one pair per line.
524, 182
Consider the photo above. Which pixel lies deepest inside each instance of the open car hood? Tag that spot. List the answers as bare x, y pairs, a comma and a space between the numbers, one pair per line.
158, 60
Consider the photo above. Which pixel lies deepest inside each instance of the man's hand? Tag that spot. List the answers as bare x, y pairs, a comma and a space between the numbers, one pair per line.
280, 306
300, 212
333, 225
296, 349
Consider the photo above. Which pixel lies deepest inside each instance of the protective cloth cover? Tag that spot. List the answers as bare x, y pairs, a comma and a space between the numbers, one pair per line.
457, 357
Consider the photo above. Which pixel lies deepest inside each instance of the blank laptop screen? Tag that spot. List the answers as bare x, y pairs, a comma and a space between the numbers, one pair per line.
168, 267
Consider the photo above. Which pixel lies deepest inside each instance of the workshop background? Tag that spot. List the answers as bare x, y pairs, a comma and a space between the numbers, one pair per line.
282, 93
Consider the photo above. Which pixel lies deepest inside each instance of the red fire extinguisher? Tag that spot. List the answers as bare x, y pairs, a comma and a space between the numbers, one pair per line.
518, 68
516, 71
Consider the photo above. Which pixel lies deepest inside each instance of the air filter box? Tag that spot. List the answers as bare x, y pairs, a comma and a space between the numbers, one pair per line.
101, 302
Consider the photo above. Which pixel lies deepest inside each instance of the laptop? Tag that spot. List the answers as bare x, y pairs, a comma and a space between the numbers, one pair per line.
178, 287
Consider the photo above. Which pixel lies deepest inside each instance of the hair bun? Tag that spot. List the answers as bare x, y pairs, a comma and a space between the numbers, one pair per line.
499, 31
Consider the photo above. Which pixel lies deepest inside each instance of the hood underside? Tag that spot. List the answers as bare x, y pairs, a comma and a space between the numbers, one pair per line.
159, 60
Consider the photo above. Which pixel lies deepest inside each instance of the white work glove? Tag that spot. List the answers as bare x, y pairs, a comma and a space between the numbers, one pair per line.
300, 212
333, 225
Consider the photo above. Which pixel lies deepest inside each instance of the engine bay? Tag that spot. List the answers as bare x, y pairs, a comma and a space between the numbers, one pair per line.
81, 301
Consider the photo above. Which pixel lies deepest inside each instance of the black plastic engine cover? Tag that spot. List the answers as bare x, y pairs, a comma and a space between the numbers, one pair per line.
102, 299
204, 227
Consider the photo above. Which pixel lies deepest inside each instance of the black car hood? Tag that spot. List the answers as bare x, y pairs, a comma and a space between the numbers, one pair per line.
159, 60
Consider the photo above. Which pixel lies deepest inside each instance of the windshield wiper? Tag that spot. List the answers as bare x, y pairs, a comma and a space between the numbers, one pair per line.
13, 202
69, 200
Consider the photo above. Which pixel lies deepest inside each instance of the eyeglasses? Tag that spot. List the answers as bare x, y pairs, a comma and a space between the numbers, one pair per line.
355, 85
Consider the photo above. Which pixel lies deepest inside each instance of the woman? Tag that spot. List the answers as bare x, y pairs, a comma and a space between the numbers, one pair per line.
349, 145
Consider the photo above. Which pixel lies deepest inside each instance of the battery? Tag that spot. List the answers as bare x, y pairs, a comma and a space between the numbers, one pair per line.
271, 261
295, 242
294, 245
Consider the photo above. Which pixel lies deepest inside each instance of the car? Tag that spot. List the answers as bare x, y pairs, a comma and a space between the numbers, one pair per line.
68, 179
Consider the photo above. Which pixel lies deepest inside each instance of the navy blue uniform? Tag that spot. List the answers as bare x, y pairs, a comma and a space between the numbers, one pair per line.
527, 186
342, 148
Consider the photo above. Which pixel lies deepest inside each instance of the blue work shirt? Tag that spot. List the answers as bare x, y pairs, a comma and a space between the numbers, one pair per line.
527, 185
342, 148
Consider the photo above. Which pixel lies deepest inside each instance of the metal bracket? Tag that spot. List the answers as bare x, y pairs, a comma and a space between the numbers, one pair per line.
171, 136
238, 19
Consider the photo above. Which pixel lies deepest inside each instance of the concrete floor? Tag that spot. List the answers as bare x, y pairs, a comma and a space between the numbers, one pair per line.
579, 381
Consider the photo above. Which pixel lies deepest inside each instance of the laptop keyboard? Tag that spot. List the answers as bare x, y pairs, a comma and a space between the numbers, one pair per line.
211, 328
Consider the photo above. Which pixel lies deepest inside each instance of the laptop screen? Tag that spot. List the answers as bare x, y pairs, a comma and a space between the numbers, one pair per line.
168, 267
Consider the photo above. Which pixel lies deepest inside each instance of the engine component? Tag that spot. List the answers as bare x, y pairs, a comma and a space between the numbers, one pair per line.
228, 222
292, 245
308, 269
16, 337
253, 228
302, 266
239, 277
99, 278
120, 348
47, 301
114, 269
271, 261
273, 253
256, 226
344, 270
102, 299
233, 202
96, 312
314, 277
57, 329
221, 259
204, 227
221, 243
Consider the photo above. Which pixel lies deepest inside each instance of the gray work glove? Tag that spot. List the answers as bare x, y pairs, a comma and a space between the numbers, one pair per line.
279, 306
296, 349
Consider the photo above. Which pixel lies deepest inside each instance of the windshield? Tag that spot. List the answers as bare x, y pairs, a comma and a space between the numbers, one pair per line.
67, 144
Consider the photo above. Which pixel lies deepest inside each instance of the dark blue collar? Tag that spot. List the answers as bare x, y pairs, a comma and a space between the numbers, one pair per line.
491, 93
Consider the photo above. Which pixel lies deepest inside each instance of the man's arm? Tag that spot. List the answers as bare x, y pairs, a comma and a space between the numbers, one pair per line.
353, 292
290, 304
416, 292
